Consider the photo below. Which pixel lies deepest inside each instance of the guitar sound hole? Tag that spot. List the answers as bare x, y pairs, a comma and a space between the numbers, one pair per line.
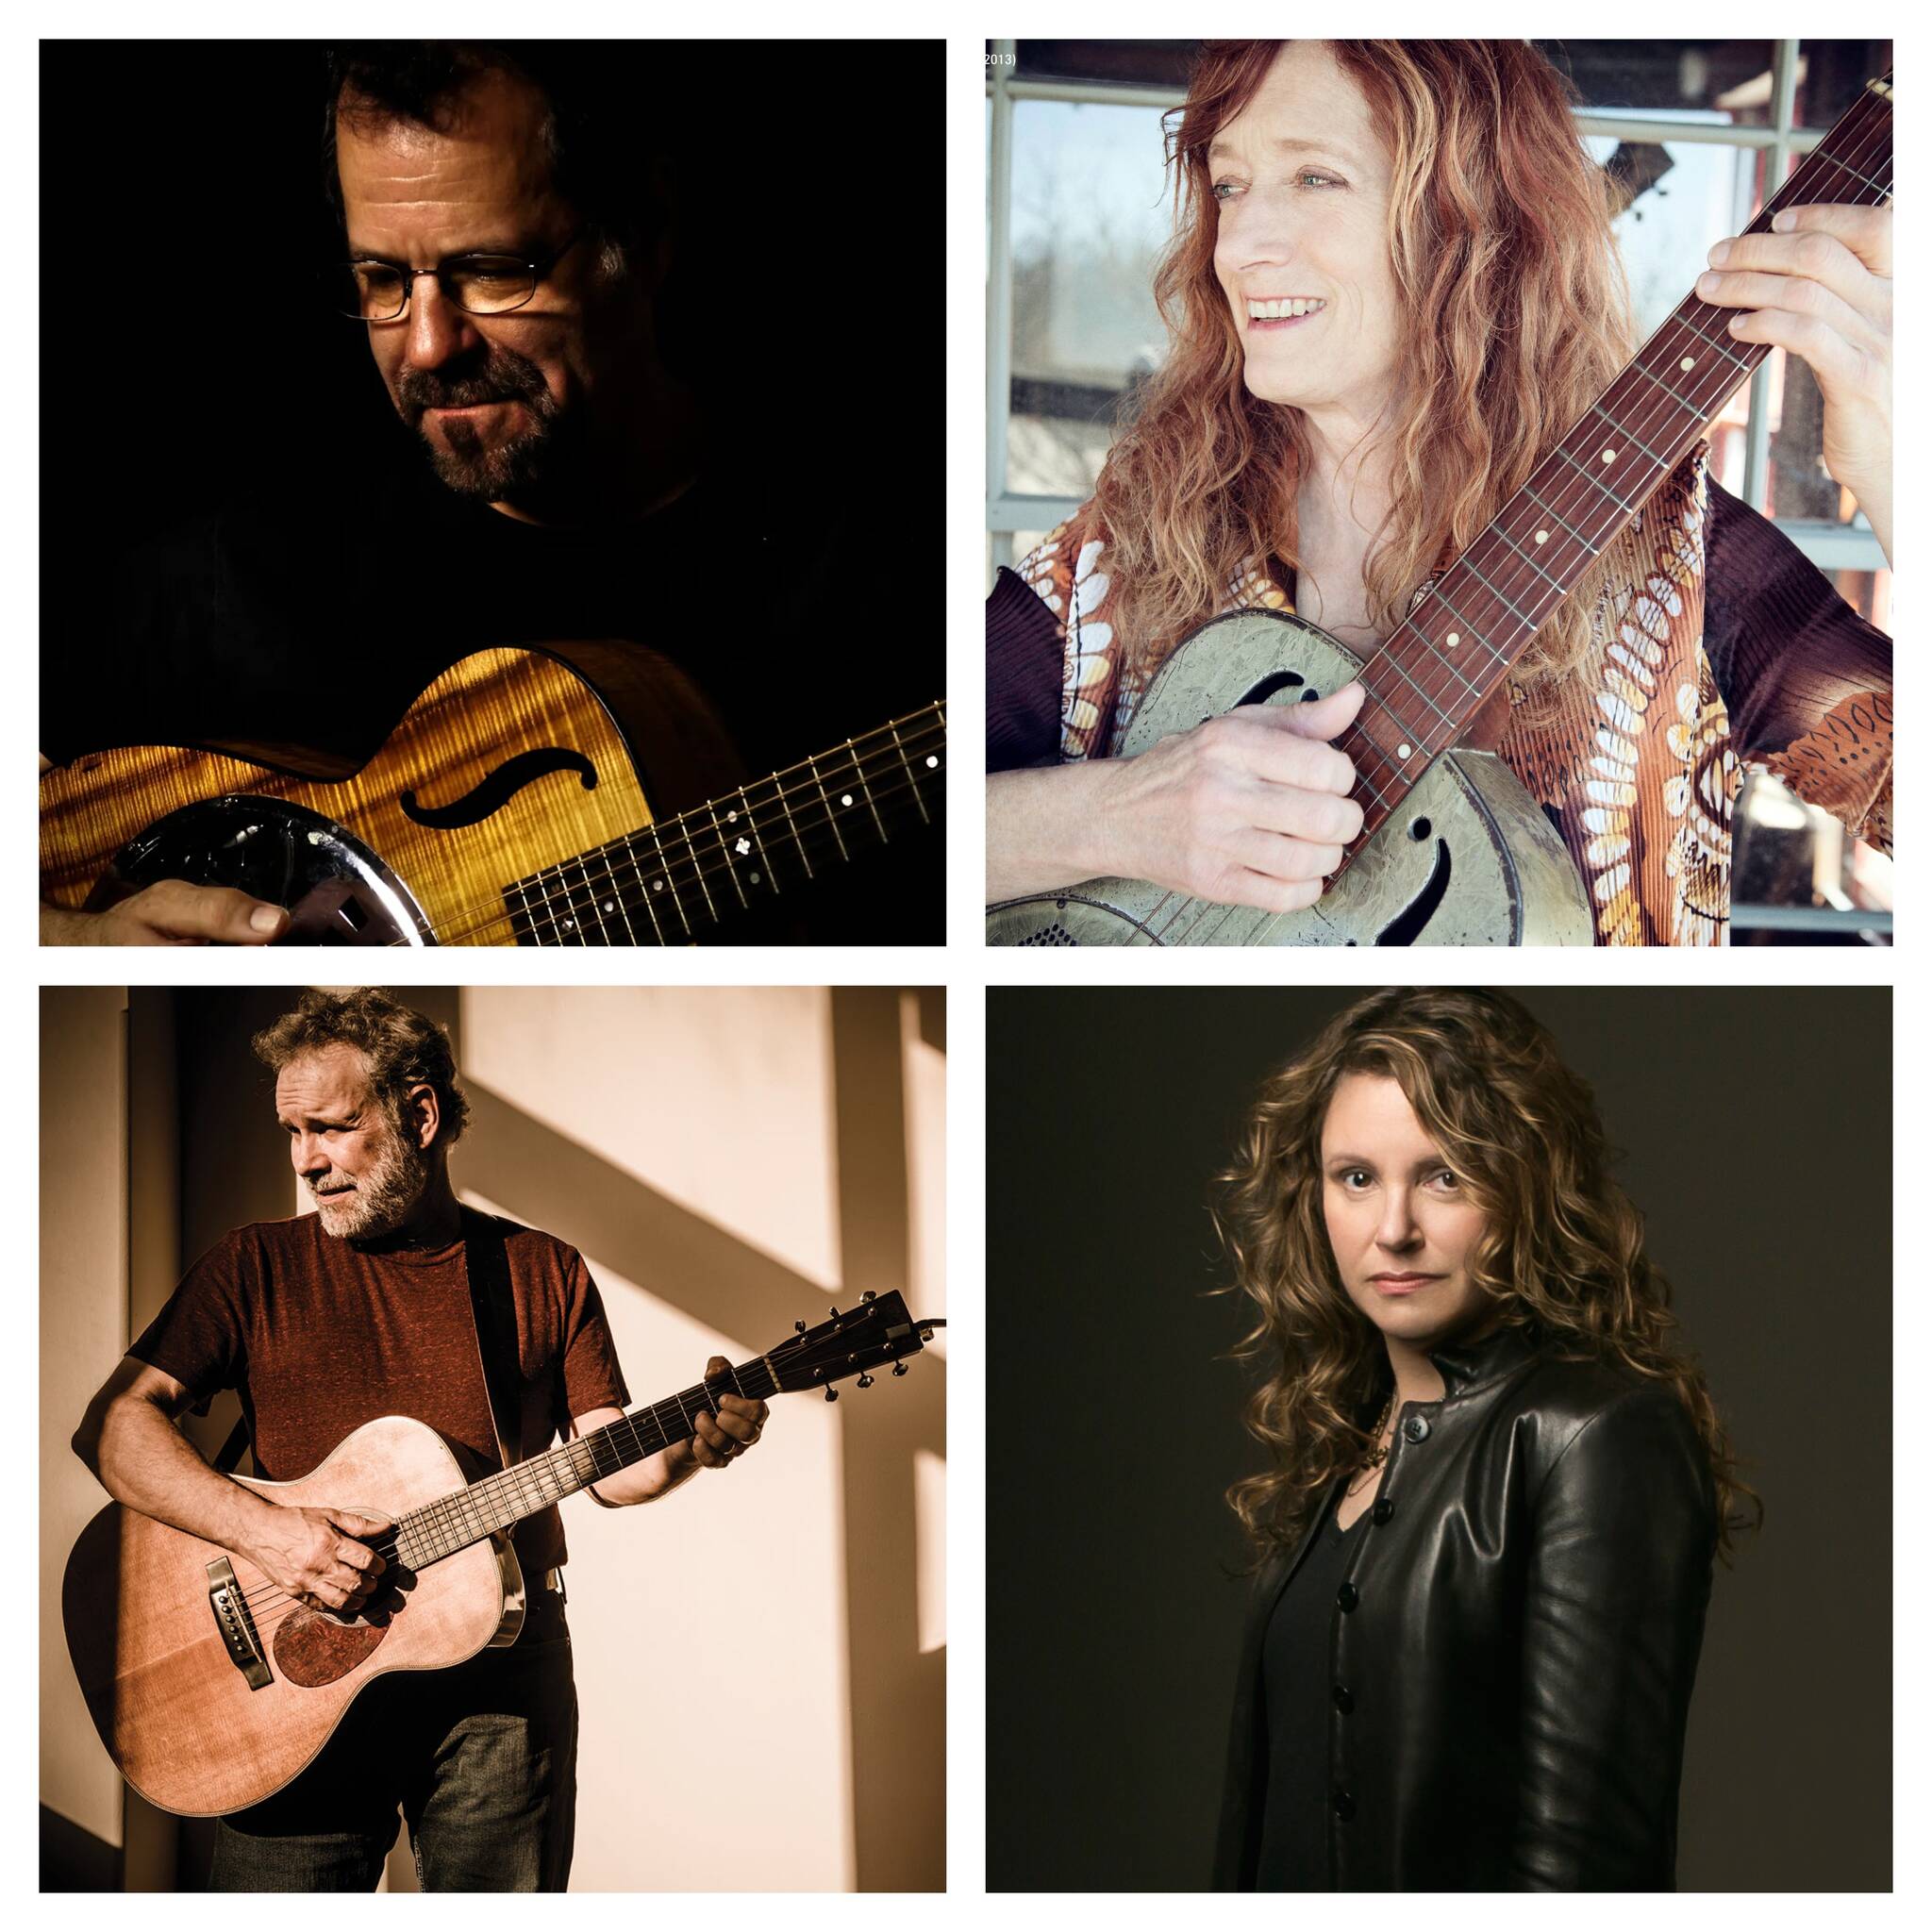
1275, 680
1420, 830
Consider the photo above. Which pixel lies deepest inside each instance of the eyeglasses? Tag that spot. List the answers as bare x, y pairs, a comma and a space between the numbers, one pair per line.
480, 284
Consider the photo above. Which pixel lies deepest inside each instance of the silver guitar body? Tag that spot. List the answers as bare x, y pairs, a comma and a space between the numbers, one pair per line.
1469, 859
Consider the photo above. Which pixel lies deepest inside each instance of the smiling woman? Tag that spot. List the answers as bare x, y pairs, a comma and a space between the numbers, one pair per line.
1393, 297
1462, 1339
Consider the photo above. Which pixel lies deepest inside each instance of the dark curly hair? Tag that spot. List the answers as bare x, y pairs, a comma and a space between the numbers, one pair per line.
1563, 1250
403, 1048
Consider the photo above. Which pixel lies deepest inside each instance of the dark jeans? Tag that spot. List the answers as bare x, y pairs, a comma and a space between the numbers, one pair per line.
480, 1760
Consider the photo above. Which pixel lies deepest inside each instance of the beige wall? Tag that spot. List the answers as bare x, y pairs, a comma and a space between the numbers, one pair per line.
728, 1160
83, 1333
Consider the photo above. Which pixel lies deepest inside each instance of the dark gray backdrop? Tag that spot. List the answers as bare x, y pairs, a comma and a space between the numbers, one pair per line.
1757, 1130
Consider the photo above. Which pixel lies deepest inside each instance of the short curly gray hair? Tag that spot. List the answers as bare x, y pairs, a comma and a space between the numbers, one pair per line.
403, 1048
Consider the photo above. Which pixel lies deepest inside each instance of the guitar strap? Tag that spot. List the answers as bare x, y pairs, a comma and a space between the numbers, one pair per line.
493, 1307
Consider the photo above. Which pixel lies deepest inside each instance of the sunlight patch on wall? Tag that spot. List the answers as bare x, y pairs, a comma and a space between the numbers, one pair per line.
709, 1633
929, 1498
925, 1167
718, 1097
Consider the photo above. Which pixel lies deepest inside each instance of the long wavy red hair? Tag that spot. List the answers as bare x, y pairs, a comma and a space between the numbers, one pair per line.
1518, 318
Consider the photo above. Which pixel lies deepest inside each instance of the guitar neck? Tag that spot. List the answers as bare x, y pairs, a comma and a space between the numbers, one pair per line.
1451, 654
678, 879
467, 1516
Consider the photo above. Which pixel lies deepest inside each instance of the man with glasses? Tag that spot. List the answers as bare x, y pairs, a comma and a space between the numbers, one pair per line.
504, 239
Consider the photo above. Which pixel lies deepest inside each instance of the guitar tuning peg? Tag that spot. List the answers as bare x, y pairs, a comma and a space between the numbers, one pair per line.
865, 1381
872, 1294
800, 1326
831, 1395
898, 1368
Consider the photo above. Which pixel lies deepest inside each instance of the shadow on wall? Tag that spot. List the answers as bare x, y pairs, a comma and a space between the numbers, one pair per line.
233, 1168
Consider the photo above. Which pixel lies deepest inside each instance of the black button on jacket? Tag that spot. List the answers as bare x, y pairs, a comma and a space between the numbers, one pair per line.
1521, 1645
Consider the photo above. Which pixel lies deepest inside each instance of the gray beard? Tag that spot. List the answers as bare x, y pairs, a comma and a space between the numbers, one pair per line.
382, 1200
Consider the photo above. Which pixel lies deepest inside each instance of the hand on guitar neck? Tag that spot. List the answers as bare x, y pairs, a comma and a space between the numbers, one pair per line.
169, 913
1249, 809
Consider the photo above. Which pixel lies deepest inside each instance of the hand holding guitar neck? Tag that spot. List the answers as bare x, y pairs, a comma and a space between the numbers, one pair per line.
719, 1441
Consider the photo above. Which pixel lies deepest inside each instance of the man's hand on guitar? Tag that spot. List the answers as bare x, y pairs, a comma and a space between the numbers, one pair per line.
1250, 808
318, 1558
721, 1440
169, 913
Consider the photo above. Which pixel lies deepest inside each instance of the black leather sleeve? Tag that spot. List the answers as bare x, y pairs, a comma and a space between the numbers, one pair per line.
1618, 1578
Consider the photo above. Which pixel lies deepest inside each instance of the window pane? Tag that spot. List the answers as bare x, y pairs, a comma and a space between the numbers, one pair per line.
1830, 73
1650, 75
1090, 214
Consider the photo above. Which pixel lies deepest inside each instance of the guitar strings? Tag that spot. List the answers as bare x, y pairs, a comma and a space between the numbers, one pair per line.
814, 817
818, 839
703, 821
1859, 158
581, 898
687, 868
653, 1428
814, 809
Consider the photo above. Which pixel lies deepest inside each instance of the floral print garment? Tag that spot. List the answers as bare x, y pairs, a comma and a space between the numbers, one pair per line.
1634, 761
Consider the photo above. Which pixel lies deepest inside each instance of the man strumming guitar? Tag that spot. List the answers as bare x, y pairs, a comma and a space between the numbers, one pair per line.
324, 1322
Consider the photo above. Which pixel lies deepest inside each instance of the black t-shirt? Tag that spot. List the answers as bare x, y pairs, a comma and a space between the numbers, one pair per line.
259, 623
1297, 1690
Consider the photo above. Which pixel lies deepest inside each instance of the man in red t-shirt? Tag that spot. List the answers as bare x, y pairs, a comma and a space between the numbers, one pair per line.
324, 1322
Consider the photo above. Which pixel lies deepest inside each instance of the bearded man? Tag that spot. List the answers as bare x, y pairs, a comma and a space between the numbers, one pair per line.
365, 1308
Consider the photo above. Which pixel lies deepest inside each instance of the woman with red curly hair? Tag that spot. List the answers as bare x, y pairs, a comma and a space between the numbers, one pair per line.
1392, 291
1484, 1541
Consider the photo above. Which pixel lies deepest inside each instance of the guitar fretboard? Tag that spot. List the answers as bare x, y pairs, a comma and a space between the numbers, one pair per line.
466, 1516
678, 879
1450, 654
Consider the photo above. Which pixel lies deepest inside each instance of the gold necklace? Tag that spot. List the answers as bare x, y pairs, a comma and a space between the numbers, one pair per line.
1378, 1455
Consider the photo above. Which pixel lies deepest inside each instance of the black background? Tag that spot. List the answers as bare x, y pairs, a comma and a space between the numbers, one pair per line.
1758, 1125
190, 363
806, 300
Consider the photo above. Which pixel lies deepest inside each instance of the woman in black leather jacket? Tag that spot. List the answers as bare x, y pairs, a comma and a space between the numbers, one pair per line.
1485, 1545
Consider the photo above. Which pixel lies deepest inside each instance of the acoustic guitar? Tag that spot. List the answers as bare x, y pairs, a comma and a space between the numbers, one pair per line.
508, 807
211, 1688
1453, 851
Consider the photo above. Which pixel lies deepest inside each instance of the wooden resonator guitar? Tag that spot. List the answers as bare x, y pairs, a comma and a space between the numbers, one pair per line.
211, 1689
508, 807
1453, 851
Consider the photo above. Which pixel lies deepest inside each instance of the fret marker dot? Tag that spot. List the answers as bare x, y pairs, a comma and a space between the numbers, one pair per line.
611, 904
1609, 456
931, 763
754, 879
1689, 362
730, 818
742, 847
1542, 536
1402, 751
844, 798
656, 885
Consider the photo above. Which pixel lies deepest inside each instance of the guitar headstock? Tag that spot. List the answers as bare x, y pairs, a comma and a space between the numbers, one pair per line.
877, 1331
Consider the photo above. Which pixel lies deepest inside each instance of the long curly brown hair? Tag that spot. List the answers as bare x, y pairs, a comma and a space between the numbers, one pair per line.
1518, 317
1562, 1249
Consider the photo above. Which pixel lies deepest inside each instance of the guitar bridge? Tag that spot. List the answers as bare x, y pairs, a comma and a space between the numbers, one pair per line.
237, 1624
